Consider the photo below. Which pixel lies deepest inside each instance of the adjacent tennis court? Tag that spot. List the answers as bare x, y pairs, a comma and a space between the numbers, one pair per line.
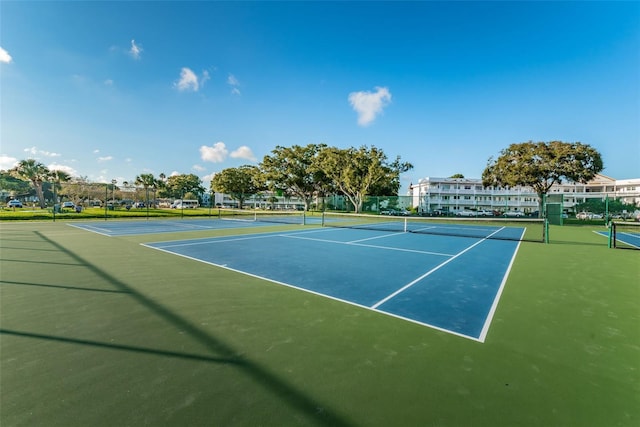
138, 227
452, 284
626, 235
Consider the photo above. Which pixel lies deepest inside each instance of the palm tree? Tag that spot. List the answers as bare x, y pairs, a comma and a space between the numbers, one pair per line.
36, 172
147, 180
56, 177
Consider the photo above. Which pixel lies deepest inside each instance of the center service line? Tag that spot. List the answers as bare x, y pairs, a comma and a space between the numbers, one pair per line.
407, 286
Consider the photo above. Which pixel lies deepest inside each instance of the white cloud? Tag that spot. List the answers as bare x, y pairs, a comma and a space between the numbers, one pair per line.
105, 158
135, 50
216, 153
369, 104
35, 152
244, 152
208, 178
198, 168
234, 83
7, 162
67, 169
4, 56
188, 80
232, 80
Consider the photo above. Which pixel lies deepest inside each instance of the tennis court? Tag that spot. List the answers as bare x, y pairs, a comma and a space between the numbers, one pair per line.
622, 235
107, 331
626, 235
140, 227
449, 283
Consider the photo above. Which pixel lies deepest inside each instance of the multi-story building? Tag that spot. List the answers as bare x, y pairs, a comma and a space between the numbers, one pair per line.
453, 195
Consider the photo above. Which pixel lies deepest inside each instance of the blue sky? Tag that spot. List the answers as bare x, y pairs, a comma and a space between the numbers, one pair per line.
110, 90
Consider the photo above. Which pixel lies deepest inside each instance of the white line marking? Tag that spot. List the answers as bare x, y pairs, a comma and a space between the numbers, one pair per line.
438, 267
373, 238
438, 328
496, 299
337, 242
91, 229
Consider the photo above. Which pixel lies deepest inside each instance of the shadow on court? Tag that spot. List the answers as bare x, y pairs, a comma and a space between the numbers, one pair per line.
224, 353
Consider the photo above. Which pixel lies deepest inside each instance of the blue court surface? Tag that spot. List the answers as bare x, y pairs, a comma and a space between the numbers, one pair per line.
629, 238
451, 284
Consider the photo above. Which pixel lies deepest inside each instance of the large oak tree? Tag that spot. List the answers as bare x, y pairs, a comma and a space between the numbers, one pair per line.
540, 165
239, 183
291, 170
356, 172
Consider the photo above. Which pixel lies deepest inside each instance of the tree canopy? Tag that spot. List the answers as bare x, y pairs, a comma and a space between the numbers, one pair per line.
540, 165
239, 182
355, 172
177, 186
14, 185
37, 173
292, 169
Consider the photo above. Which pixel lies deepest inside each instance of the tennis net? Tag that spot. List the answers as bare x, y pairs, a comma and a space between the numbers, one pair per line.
625, 235
284, 217
528, 229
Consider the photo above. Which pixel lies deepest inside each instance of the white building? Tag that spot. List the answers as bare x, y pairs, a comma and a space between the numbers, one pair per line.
452, 195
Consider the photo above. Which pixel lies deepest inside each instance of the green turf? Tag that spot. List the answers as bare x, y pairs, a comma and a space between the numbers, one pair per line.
102, 331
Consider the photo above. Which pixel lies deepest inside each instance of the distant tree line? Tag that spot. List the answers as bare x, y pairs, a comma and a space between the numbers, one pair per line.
32, 178
318, 170
314, 170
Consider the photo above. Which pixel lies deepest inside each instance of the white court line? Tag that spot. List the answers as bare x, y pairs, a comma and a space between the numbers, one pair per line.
233, 238
84, 227
206, 241
373, 238
428, 273
337, 242
438, 328
496, 299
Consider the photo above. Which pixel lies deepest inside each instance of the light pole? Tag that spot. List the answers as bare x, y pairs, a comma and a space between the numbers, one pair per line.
113, 193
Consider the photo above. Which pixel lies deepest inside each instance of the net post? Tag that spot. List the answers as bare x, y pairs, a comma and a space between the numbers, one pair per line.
546, 230
612, 235
322, 220
304, 218
405, 225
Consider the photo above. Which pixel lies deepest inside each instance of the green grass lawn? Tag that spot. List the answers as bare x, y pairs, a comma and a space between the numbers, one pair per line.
100, 331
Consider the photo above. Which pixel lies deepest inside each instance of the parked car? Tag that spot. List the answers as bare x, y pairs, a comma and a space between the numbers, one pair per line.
588, 215
14, 204
466, 213
514, 214
483, 212
69, 205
